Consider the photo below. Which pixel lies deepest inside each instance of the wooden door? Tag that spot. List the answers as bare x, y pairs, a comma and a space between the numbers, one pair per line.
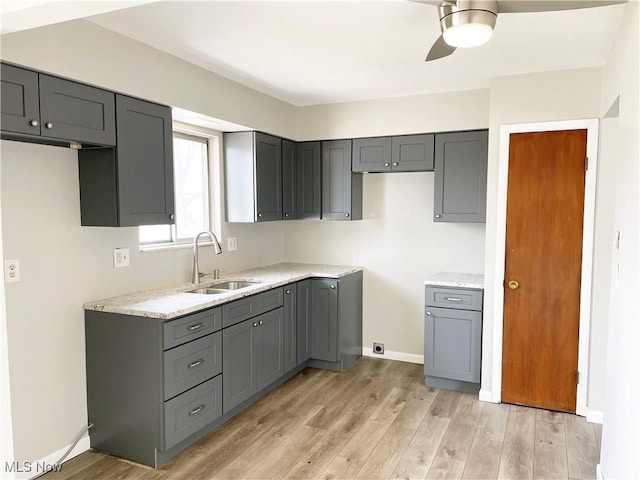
545, 207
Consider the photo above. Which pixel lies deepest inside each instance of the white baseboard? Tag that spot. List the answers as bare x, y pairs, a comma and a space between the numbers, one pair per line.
595, 416
599, 474
26, 470
390, 355
486, 396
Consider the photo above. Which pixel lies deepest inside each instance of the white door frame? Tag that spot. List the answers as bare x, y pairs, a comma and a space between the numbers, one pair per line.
591, 125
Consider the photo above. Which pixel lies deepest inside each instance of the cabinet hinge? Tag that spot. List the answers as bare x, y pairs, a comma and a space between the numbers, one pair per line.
577, 377
586, 163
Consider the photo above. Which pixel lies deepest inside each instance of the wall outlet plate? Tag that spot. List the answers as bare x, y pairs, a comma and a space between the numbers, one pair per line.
11, 271
120, 257
232, 244
378, 348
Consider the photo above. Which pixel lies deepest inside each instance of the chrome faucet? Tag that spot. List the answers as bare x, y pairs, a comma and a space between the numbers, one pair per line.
216, 244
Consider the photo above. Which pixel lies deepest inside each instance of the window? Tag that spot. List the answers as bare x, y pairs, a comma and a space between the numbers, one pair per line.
191, 183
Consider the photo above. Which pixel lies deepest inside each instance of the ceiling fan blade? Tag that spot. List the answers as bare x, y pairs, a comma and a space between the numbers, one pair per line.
522, 6
435, 3
439, 49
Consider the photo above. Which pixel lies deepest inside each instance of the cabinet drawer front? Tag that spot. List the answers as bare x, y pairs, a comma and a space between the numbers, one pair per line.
183, 330
236, 312
77, 112
270, 300
191, 411
460, 298
452, 344
371, 154
192, 363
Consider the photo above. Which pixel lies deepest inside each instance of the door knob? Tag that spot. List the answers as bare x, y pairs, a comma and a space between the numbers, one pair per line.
513, 284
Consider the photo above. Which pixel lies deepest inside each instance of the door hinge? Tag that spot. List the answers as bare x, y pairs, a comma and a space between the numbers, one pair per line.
586, 163
577, 377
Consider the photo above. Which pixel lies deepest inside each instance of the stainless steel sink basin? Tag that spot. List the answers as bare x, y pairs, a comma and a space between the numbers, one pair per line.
233, 285
220, 288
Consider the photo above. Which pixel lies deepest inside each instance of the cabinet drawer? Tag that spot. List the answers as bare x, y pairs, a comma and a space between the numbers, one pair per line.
183, 330
192, 363
270, 300
191, 411
460, 298
236, 312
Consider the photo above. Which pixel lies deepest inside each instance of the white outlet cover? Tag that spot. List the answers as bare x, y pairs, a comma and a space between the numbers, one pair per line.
11, 271
232, 244
120, 257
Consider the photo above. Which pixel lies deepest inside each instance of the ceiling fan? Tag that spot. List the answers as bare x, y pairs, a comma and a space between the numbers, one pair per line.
469, 23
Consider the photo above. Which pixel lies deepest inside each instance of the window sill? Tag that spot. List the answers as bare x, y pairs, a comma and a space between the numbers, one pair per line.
154, 247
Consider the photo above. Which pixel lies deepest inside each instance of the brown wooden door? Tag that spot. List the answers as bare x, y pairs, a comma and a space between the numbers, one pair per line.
545, 206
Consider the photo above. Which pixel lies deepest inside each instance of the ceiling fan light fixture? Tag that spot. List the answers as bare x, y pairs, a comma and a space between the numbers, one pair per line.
468, 23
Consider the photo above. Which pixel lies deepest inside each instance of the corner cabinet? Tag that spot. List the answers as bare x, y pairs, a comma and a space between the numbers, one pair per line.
341, 188
460, 187
405, 153
131, 184
51, 110
309, 180
253, 177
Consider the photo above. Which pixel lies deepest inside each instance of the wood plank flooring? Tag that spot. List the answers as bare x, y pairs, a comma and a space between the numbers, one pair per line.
376, 420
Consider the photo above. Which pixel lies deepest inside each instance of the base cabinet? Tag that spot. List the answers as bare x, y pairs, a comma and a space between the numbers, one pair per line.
290, 327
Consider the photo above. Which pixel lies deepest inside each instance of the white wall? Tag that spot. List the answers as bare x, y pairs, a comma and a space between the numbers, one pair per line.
397, 241
621, 429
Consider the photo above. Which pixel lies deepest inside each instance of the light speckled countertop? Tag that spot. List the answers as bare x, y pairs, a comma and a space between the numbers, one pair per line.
460, 280
167, 303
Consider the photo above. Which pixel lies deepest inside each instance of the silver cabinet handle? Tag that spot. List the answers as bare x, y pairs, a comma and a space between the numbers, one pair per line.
255, 324
33, 123
429, 313
333, 287
346, 214
172, 216
191, 328
395, 164
196, 363
196, 410
288, 292
260, 322
453, 299
386, 164
259, 214
286, 214
49, 125
438, 215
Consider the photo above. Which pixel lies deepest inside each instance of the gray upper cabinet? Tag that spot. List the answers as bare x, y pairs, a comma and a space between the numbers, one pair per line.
289, 180
131, 184
341, 189
461, 176
253, 177
309, 184
20, 103
407, 153
46, 109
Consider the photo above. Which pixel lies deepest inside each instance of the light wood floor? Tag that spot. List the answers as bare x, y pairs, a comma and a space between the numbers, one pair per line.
377, 420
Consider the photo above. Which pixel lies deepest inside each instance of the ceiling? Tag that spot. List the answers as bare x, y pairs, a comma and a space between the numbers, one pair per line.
310, 52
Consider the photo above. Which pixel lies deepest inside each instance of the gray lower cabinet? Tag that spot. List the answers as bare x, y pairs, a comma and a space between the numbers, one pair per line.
253, 356
253, 177
404, 153
303, 321
151, 384
335, 333
289, 180
453, 338
341, 188
55, 109
309, 184
131, 184
460, 186
290, 327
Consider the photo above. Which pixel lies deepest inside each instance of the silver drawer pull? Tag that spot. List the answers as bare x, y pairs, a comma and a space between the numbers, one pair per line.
195, 327
453, 299
196, 410
429, 313
196, 363
255, 324
333, 286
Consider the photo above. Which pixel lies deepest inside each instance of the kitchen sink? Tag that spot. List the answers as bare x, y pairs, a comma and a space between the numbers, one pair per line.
220, 288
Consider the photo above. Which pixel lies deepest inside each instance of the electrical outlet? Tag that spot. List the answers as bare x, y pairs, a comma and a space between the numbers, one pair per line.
378, 348
120, 257
232, 244
11, 271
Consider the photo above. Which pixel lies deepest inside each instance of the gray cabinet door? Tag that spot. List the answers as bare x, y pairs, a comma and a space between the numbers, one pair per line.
73, 111
289, 180
341, 189
452, 342
268, 165
303, 321
309, 182
20, 104
324, 319
412, 153
269, 347
461, 177
239, 377
372, 154
290, 324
